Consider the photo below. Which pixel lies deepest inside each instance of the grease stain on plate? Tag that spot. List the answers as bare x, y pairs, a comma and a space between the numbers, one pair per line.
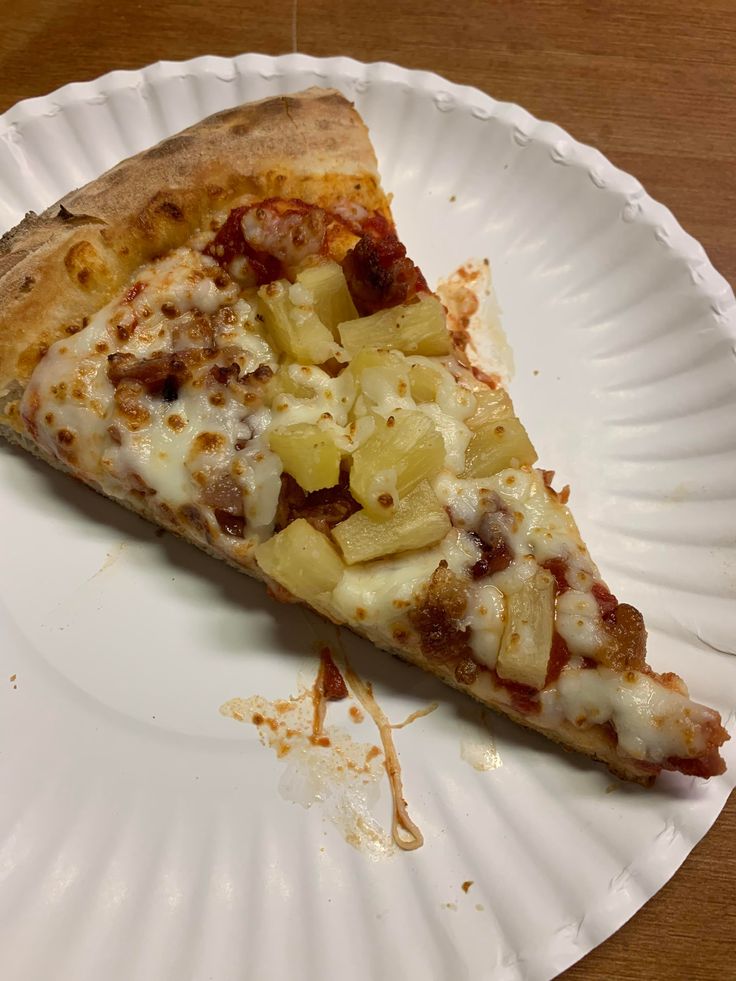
474, 318
478, 747
334, 771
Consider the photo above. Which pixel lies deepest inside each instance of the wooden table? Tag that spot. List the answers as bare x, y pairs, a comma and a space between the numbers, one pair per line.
651, 83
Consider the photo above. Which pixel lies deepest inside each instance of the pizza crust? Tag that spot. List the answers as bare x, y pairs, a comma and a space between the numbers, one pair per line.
590, 742
58, 268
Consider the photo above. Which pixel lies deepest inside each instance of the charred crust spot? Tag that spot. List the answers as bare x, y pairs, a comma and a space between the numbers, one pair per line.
27, 284
49, 418
114, 433
65, 437
101, 347
169, 310
194, 517
84, 275
171, 210
176, 422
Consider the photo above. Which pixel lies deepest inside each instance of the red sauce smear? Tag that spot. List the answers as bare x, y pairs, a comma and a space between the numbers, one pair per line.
333, 684
229, 243
607, 602
558, 568
524, 698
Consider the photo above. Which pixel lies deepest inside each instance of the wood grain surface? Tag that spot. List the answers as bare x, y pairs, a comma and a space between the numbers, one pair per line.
651, 84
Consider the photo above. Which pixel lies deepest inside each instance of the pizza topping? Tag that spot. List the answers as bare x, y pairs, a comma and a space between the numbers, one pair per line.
439, 615
631, 701
323, 509
380, 275
399, 488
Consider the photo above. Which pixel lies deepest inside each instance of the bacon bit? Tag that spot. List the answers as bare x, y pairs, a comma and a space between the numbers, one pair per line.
230, 524
385, 500
221, 491
161, 374
134, 290
627, 651
468, 882
262, 373
223, 375
496, 555
437, 616
355, 714
323, 509
558, 568
379, 273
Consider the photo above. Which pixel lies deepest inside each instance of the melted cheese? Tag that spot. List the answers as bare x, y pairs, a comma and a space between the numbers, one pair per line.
173, 451
653, 722
180, 441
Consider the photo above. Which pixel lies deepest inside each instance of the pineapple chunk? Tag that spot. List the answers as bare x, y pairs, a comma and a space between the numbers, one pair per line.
333, 303
527, 639
301, 559
425, 381
414, 328
309, 454
500, 445
383, 378
404, 450
491, 406
295, 330
418, 521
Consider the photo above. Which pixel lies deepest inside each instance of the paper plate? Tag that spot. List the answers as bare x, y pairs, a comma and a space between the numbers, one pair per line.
145, 835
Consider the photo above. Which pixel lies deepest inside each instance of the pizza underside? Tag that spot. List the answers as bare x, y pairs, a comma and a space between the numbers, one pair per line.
226, 335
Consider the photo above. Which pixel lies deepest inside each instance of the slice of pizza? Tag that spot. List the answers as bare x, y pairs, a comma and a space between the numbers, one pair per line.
225, 335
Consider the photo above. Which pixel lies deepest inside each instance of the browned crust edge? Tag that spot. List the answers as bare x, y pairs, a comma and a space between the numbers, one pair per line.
59, 267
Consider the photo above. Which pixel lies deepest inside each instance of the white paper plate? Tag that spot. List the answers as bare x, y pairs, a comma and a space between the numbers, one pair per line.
142, 834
